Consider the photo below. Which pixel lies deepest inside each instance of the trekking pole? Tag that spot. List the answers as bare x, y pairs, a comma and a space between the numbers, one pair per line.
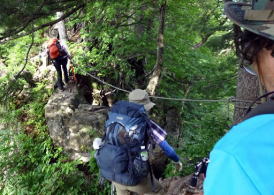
201, 168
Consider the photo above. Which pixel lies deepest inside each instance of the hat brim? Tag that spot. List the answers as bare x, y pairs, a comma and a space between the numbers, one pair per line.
149, 106
235, 12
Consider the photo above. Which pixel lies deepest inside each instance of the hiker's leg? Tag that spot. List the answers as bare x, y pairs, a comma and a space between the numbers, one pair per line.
146, 187
59, 74
157, 188
121, 189
65, 69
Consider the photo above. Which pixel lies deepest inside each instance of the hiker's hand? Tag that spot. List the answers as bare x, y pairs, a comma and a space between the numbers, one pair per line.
178, 166
97, 142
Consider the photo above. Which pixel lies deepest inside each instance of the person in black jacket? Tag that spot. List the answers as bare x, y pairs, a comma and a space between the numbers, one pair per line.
59, 56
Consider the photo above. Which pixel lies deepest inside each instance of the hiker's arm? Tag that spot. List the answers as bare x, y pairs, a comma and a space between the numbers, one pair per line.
226, 176
66, 51
65, 48
169, 151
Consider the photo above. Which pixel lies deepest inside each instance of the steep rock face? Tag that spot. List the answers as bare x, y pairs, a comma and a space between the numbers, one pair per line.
73, 123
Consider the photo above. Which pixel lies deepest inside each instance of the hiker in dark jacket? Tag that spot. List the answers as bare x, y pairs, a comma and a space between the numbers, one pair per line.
59, 55
148, 184
242, 161
158, 134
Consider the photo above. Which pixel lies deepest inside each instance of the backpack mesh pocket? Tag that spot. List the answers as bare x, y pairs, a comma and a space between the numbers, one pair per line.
140, 167
113, 158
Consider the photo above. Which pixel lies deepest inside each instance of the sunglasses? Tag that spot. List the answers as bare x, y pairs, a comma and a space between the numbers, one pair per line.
250, 50
249, 69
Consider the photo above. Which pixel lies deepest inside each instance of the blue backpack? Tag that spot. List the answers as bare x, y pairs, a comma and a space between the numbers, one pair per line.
126, 132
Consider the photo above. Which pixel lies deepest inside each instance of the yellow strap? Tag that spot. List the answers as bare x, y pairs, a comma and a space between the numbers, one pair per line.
259, 15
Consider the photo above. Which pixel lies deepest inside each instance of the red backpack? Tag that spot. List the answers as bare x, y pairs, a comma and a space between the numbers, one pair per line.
54, 48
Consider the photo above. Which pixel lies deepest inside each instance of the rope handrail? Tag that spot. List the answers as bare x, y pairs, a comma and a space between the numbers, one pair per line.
230, 99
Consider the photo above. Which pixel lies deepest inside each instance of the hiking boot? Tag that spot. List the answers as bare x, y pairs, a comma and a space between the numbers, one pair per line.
67, 80
60, 89
56, 85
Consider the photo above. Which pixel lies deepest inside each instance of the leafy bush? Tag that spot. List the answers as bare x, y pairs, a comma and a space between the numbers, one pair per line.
29, 163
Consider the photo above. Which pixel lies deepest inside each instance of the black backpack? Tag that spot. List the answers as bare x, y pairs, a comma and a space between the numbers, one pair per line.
122, 157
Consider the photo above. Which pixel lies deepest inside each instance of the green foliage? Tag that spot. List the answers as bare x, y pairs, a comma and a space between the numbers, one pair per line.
205, 72
202, 131
199, 63
29, 163
111, 39
24, 15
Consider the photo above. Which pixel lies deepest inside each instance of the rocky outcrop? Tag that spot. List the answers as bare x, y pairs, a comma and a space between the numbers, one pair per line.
180, 186
3, 70
72, 123
44, 72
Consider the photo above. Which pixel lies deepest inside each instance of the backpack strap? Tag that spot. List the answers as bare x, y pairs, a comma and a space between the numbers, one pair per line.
147, 137
130, 158
264, 108
262, 96
147, 142
151, 174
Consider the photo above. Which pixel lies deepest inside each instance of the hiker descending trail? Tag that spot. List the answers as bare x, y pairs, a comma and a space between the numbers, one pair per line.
123, 153
242, 161
59, 55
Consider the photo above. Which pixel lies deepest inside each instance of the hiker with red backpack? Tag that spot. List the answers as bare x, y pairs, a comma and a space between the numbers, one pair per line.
59, 55
123, 153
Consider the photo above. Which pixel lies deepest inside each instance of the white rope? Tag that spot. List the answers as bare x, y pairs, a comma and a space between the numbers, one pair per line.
188, 100
231, 99
120, 89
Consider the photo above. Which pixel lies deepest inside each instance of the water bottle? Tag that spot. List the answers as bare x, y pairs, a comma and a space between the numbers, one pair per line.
144, 153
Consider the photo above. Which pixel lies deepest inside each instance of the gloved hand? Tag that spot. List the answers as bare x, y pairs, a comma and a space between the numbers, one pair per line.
178, 166
97, 142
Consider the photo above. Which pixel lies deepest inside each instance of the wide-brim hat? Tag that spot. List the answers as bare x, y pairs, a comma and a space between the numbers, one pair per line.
140, 96
257, 17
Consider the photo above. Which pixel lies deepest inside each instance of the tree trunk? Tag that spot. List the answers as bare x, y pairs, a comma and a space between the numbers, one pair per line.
247, 89
61, 28
62, 32
154, 80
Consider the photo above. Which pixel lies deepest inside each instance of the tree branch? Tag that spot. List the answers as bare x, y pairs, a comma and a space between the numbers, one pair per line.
207, 35
154, 80
6, 38
27, 57
30, 19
